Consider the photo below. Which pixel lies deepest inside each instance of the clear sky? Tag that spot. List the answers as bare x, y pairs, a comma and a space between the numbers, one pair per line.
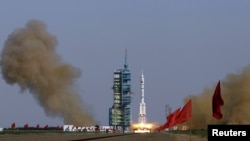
182, 47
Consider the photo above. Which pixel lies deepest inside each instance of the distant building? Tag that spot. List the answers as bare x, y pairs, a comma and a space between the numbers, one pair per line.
120, 112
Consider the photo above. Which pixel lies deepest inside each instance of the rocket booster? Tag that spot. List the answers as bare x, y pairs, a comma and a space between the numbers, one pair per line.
142, 104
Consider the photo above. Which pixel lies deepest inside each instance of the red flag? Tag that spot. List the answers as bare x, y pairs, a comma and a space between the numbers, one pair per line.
59, 127
158, 129
185, 113
170, 120
26, 126
37, 126
13, 125
217, 102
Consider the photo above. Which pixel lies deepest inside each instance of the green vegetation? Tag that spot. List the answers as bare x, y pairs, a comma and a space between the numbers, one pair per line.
202, 133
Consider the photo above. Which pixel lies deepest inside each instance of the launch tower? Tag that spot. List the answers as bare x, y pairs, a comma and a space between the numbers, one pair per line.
120, 112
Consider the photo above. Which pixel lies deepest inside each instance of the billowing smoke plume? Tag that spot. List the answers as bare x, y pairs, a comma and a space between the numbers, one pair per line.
235, 91
29, 59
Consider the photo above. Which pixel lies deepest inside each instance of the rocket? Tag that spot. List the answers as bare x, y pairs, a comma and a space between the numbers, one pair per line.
142, 112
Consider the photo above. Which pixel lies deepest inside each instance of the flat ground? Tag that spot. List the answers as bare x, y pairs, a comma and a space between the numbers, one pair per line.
85, 136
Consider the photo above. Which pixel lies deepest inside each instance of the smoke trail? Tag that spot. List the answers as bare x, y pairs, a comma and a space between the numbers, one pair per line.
30, 61
235, 91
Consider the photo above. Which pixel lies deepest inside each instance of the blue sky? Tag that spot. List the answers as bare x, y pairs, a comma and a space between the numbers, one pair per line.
183, 47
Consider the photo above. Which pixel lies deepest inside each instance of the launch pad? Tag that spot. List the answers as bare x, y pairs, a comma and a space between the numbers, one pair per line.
142, 128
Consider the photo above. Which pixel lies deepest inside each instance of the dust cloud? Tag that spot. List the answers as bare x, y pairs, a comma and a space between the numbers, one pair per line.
235, 92
29, 59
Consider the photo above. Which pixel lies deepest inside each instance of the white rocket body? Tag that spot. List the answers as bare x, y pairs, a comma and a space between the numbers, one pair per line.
142, 112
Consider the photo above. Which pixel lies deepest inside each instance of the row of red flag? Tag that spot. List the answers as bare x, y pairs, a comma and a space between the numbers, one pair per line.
181, 115
13, 126
178, 116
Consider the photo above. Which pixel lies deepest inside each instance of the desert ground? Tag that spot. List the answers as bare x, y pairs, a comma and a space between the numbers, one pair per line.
163, 136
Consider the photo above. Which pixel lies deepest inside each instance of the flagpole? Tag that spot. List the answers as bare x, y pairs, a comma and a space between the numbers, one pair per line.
171, 132
177, 133
190, 134
191, 123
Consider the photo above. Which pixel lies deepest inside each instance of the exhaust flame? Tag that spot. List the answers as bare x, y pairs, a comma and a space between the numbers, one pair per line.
29, 59
235, 91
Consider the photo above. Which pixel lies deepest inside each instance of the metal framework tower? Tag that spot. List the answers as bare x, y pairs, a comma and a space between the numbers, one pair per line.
168, 110
120, 112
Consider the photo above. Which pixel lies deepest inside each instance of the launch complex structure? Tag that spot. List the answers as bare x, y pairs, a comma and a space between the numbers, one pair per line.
120, 113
